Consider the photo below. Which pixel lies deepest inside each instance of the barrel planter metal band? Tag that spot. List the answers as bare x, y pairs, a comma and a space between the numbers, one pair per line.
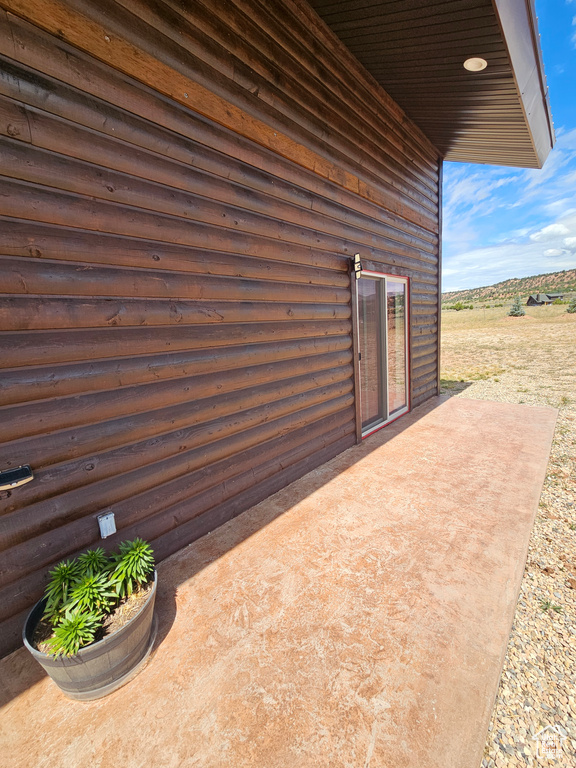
102, 667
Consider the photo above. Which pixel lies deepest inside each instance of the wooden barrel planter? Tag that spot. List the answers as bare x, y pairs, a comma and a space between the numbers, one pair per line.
102, 667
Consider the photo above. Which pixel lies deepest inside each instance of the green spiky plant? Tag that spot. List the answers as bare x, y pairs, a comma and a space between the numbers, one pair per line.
93, 561
74, 631
571, 308
82, 592
92, 594
62, 580
132, 566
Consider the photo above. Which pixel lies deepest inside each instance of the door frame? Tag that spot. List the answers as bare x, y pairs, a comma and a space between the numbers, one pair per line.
360, 433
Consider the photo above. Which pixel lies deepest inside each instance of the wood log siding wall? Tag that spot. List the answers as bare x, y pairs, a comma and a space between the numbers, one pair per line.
175, 304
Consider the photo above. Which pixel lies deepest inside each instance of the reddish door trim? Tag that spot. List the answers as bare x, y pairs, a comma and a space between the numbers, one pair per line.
355, 331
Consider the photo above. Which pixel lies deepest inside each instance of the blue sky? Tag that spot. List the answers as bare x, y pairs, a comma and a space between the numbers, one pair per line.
509, 222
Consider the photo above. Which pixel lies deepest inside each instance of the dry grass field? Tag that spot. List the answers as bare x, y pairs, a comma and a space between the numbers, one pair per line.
532, 360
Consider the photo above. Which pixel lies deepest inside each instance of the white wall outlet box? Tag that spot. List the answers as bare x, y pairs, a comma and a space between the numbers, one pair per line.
107, 524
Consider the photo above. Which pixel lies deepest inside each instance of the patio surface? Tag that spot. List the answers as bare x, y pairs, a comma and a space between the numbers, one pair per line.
357, 618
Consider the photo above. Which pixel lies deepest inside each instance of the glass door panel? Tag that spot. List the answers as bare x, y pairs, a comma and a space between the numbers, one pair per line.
371, 352
382, 325
396, 329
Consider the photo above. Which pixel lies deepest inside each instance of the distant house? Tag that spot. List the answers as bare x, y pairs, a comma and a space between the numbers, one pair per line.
537, 299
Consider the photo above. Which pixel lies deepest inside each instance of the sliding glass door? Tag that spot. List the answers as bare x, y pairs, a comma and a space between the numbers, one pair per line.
383, 338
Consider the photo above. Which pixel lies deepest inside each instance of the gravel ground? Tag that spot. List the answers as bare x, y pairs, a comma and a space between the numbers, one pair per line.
538, 683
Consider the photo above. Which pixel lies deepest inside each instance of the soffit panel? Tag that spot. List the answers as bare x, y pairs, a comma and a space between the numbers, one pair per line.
415, 49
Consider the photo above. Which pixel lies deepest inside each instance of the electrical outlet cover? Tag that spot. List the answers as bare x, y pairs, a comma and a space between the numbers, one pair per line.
107, 524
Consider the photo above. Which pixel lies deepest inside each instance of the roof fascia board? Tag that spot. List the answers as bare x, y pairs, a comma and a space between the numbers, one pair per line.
517, 19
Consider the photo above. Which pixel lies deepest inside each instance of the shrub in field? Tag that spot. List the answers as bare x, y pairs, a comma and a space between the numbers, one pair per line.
458, 306
572, 306
516, 310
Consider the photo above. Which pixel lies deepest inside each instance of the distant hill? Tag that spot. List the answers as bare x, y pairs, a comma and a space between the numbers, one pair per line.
555, 282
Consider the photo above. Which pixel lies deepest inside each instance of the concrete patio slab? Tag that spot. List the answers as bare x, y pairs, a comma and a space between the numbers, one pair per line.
357, 618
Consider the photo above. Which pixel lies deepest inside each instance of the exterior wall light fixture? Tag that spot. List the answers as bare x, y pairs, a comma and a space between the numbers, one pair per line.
357, 266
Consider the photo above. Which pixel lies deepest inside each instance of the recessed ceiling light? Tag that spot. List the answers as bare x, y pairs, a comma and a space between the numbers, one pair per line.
475, 64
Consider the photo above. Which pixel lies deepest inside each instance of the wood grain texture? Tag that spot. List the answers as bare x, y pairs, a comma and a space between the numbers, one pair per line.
182, 191
125, 43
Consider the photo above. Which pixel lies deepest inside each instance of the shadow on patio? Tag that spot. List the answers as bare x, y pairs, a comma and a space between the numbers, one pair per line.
358, 617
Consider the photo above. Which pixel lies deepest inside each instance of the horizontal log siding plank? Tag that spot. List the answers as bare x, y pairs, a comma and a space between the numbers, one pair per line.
427, 320
28, 239
175, 303
43, 277
44, 313
421, 371
50, 206
32, 383
418, 360
425, 392
44, 347
424, 310
424, 383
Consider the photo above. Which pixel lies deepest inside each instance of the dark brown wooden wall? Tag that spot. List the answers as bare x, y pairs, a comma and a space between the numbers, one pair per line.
182, 187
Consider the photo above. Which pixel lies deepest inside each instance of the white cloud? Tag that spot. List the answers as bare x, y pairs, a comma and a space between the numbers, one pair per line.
469, 195
556, 207
549, 249
566, 140
550, 232
554, 185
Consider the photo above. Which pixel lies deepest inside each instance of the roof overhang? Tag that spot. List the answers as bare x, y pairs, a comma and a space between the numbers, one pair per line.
415, 49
